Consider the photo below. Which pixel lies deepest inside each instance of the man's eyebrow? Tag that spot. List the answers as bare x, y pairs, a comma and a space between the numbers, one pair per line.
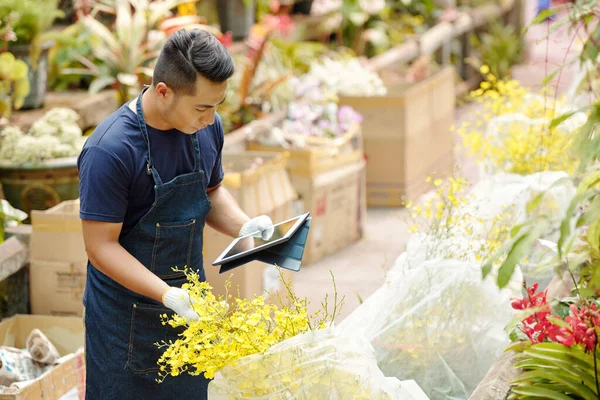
209, 106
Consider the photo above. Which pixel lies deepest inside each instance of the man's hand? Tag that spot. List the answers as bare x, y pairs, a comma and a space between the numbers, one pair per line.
179, 301
261, 226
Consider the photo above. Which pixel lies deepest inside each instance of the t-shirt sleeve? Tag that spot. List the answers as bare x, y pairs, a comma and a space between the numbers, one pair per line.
103, 186
216, 177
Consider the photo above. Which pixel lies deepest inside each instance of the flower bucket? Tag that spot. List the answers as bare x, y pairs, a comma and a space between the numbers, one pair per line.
235, 16
40, 186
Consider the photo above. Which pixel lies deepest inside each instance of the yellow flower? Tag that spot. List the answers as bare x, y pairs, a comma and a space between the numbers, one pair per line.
221, 336
484, 69
437, 182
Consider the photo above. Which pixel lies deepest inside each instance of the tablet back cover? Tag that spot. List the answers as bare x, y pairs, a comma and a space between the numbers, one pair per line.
286, 255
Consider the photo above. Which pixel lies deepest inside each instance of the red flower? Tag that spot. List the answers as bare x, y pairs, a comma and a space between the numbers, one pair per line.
226, 39
581, 322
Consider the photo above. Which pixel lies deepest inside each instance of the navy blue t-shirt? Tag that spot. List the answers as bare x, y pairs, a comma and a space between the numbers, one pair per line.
114, 184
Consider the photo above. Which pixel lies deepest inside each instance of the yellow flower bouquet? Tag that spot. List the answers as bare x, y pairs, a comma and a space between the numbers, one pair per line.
516, 131
268, 351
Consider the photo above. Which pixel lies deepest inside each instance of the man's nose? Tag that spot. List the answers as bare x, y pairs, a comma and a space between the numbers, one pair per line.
209, 117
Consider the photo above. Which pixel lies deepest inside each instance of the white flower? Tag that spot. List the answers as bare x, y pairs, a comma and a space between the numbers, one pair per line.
322, 7
372, 6
55, 135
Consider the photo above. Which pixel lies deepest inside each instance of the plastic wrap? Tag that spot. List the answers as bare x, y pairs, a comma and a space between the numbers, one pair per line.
319, 364
545, 157
435, 320
505, 195
438, 324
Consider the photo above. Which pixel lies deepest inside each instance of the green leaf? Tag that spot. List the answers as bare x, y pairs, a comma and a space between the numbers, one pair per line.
570, 354
589, 180
533, 204
559, 120
565, 226
100, 83
553, 375
590, 49
550, 76
516, 233
545, 14
593, 236
521, 248
541, 393
591, 213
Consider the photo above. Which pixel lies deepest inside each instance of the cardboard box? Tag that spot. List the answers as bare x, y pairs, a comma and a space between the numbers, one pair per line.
407, 137
57, 233
336, 201
67, 335
58, 265
56, 287
318, 155
265, 189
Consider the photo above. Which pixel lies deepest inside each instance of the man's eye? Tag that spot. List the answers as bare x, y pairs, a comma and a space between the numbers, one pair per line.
200, 111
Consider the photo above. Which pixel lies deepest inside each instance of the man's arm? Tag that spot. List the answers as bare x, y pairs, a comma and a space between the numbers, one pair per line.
109, 257
226, 216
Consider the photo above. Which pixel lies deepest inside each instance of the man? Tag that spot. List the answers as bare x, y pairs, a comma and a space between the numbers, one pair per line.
149, 181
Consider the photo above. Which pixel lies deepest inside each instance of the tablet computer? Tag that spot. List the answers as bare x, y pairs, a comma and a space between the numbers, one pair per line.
247, 245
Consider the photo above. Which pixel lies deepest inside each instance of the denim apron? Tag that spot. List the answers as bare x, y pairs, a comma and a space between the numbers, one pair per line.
122, 327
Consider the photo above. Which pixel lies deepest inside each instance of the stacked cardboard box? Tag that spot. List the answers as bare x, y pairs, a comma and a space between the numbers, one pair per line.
328, 175
58, 261
407, 137
260, 184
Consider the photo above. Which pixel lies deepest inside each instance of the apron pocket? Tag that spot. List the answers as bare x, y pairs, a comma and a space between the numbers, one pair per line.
172, 248
147, 330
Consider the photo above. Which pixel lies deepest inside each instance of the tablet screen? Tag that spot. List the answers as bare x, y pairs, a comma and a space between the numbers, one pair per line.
248, 243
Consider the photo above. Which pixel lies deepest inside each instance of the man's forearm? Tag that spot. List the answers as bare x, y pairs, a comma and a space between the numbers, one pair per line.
226, 216
114, 261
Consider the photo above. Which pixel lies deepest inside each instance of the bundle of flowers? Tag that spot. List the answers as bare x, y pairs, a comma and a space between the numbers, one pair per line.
517, 131
55, 135
260, 350
341, 75
318, 120
318, 364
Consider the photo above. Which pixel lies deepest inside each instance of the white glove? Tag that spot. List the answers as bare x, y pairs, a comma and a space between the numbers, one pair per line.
179, 301
261, 227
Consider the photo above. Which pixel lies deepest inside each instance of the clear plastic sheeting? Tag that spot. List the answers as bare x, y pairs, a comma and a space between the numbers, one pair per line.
505, 195
438, 324
320, 364
435, 320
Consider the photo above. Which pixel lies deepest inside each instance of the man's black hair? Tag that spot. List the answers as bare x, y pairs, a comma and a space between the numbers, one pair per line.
189, 53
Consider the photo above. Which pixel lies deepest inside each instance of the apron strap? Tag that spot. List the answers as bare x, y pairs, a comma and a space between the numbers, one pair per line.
143, 128
197, 158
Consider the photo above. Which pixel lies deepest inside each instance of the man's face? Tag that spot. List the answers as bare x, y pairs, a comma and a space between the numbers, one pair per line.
190, 113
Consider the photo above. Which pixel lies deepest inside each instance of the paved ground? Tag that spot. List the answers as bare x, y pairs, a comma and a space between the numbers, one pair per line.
360, 269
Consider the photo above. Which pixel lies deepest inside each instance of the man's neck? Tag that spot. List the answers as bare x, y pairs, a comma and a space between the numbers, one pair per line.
151, 112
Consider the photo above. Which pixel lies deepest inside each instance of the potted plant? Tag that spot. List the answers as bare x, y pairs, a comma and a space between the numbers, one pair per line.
35, 17
236, 16
123, 56
38, 169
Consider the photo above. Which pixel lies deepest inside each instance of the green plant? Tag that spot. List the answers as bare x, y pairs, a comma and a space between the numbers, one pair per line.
499, 48
126, 52
256, 84
72, 43
14, 84
35, 17
556, 340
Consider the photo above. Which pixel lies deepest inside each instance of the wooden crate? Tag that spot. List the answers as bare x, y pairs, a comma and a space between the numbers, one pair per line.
318, 155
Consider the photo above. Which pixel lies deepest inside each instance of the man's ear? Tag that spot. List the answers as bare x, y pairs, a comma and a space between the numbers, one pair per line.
163, 92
